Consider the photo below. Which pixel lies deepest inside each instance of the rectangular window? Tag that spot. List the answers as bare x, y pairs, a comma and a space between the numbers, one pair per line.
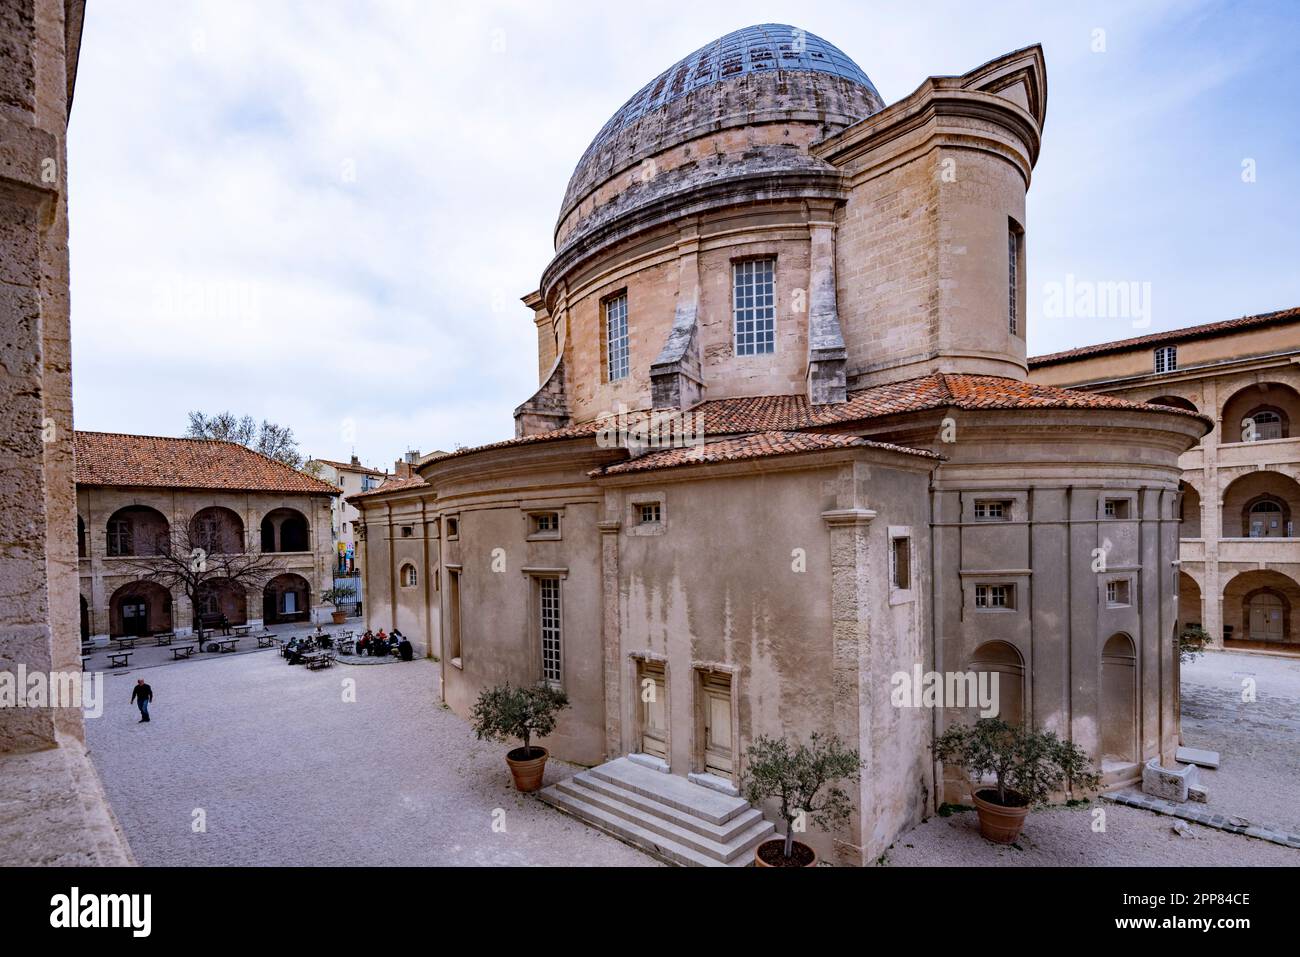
119, 537
1116, 508
544, 524
453, 528
1117, 592
900, 562
616, 347
408, 531
548, 590
1166, 359
453, 617
1013, 283
649, 513
992, 511
754, 306
995, 596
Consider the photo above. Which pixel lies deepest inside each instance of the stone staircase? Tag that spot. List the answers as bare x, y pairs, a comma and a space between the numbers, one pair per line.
664, 815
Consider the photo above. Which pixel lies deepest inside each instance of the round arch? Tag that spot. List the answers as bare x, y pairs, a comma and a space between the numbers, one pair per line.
1174, 401
139, 608
1119, 699
1260, 411
286, 597
1004, 659
221, 598
1260, 504
1258, 608
136, 530
1189, 511
218, 530
285, 529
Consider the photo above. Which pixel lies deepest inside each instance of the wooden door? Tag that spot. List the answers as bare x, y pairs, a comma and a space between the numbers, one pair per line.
1266, 618
653, 691
715, 701
135, 618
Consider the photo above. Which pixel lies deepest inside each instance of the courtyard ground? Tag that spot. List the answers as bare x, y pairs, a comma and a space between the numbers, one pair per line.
286, 772
1258, 779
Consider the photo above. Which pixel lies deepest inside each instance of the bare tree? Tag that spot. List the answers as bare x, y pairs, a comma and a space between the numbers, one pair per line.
276, 441
191, 561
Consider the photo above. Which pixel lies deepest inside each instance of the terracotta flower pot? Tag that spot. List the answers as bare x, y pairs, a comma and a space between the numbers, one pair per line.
527, 772
998, 823
801, 850
339, 617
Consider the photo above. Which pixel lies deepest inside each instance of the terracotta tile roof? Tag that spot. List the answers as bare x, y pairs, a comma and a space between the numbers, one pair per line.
349, 467
114, 459
392, 485
793, 413
756, 446
1205, 331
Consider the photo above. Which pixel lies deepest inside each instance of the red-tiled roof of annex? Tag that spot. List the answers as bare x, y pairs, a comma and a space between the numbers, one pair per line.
114, 459
793, 413
348, 467
1171, 337
392, 485
756, 446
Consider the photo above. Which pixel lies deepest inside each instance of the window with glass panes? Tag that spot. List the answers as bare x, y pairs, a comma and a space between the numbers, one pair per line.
616, 348
1013, 268
754, 306
548, 590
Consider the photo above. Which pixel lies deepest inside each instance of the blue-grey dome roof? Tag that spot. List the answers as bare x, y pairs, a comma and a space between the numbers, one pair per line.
763, 48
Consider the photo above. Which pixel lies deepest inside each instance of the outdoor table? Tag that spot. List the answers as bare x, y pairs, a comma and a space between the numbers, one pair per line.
119, 659
182, 651
165, 638
124, 643
243, 630
266, 641
228, 644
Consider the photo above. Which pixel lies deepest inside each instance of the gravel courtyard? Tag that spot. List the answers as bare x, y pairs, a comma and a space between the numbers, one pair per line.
288, 773
1258, 779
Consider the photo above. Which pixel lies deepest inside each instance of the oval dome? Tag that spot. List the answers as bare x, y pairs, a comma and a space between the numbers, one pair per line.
760, 74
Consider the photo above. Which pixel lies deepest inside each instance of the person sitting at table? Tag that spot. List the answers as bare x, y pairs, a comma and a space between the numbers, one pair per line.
382, 636
405, 650
364, 643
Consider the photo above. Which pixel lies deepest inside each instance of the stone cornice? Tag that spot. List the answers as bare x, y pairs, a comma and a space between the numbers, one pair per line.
848, 517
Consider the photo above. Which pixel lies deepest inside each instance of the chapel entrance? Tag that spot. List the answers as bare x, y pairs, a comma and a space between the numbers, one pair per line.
714, 703
653, 690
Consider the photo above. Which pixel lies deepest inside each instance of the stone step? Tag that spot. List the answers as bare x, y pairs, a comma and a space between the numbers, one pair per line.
676, 792
727, 850
648, 806
738, 854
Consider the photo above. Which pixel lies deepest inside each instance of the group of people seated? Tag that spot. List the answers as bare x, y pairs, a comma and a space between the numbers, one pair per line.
296, 649
381, 643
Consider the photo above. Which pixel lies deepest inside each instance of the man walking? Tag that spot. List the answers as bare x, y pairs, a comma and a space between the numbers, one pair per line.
141, 695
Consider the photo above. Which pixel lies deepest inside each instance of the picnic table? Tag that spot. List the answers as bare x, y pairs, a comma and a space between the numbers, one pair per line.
317, 661
119, 659
241, 631
228, 644
266, 640
182, 651
126, 641
164, 638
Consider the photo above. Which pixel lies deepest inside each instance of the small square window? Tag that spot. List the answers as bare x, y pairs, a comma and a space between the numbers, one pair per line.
544, 525
992, 511
408, 531
995, 596
900, 563
1116, 508
453, 528
1117, 592
649, 513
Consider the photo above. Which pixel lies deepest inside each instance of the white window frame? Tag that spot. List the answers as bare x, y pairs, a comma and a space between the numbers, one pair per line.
985, 595
550, 629
753, 306
617, 343
536, 534
985, 510
1119, 592
401, 575
1165, 359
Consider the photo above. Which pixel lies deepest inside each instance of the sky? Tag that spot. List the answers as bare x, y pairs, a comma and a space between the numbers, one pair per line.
325, 214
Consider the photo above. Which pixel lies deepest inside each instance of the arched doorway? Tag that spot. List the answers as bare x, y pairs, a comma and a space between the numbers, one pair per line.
1266, 516
221, 597
285, 530
1259, 412
1003, 659
287, 597
1189, 514
139, 608
1267, 615
1119, 699
1257, 610
217, 530
136, 530
1189, 602
1260, 504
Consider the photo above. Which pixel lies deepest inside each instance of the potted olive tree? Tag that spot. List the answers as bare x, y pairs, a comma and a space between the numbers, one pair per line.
1027, 767
506, 713
802, 777
336, 597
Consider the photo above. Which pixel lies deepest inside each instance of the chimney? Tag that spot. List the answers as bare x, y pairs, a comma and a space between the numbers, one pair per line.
356, 462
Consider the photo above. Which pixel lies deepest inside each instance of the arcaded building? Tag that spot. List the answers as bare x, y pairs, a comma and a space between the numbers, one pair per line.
134, 492
784, 447
1240, 555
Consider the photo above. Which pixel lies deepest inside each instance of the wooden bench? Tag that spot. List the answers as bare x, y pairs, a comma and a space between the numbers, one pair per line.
180, 652
119, 659
228, 644
241, 631
266, 641
165, 638
126, 642
316, 662
216, 622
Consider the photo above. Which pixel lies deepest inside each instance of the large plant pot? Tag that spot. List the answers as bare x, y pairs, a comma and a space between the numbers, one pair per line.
803, 854
339, 617
999, 823
526, 771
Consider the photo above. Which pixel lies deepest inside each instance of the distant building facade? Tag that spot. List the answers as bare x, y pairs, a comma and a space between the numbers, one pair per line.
352, 477
1239, 559
131, 491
